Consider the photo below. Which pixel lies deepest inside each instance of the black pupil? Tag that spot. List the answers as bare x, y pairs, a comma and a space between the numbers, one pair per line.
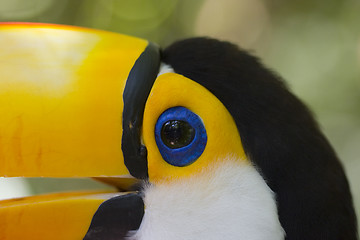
177, 134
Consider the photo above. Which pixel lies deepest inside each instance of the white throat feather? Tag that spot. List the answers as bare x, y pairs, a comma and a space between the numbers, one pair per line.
229, 201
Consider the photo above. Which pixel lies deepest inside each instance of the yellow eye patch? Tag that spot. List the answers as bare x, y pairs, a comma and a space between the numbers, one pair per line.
223, 139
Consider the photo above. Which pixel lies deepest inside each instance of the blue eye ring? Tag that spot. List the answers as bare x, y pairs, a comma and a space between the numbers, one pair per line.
184, 155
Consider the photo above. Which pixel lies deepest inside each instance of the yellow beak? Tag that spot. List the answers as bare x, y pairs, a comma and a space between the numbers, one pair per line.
61, 98
66, 110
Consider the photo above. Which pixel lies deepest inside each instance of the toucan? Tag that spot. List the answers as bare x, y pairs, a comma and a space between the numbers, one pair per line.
201, 140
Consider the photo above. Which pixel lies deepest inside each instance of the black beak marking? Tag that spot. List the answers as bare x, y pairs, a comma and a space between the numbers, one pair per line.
116, 217
136, 92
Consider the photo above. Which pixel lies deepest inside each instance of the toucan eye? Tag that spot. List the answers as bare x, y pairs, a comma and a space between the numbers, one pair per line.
180, 136
177, 134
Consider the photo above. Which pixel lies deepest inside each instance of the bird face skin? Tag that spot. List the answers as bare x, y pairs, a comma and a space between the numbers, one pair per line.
171, 90
202, 141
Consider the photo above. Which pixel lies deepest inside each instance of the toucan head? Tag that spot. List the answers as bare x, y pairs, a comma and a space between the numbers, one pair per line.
202, 141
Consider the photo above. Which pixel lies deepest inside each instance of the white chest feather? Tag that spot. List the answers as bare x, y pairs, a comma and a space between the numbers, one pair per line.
229, 202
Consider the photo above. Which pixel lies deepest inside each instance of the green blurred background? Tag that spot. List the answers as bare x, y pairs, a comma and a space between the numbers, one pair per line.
313, 44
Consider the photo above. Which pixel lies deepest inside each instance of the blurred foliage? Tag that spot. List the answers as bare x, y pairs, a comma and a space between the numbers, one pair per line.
313, 44
160, 21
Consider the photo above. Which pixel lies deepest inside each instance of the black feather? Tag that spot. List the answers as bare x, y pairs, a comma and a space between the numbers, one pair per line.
279, 135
